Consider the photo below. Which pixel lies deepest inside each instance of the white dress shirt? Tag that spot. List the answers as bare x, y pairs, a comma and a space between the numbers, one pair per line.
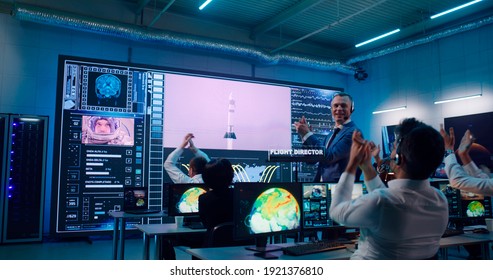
468, 177
404, 221
178, 176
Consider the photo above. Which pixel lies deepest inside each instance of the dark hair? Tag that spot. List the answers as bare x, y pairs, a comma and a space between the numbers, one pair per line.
343, 94
218, 174
198, 164
421, 145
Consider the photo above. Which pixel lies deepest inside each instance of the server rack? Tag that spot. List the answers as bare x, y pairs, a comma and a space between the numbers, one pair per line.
23, 183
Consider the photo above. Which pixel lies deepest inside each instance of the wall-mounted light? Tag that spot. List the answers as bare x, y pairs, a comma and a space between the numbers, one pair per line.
458, 98
454, 9
377, 38
390, 110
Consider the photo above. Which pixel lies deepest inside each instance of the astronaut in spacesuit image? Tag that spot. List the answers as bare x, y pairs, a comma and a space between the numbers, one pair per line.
105, 130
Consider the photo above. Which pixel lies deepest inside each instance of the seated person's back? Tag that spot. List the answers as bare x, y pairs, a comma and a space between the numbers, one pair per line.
421, 223
407, 219
216, 206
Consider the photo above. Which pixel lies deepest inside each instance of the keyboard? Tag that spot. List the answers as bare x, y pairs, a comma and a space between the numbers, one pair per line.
195, 225
142, 211
452, 232
313, 247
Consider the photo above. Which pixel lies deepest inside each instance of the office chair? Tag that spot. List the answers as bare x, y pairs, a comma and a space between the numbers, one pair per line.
220, 236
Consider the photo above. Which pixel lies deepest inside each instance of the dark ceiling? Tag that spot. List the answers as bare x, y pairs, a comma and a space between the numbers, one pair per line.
331, 26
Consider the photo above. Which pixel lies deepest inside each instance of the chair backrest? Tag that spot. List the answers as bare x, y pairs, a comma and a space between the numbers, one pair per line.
220, 236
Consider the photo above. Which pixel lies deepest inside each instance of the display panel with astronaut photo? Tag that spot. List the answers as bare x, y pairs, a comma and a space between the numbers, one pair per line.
102, 135
102, 130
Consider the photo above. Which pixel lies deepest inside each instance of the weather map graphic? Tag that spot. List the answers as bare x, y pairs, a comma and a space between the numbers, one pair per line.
189, 201
276, 209
475, 209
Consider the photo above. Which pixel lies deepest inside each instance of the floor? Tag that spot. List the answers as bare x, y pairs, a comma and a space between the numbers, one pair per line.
92, 248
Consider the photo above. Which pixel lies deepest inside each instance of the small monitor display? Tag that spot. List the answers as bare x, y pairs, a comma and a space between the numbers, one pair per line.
263, 209
184, 199
453, 197
316, 204
475, 205
465, 208
440, 172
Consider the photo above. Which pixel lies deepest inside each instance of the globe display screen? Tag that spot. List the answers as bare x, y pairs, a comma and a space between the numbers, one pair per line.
475, 205
266, 209
184, 199
465, 208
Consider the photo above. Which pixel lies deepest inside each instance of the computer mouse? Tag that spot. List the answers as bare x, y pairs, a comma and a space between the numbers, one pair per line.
480, 230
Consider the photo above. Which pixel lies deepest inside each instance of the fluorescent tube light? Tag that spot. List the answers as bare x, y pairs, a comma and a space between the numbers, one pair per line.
205, 4
29, 120
377, 38
458, 98
390, 110
454, 9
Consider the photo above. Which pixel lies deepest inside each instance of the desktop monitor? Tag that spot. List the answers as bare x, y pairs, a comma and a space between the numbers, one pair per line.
184, 199
316, 204
475, 206
465, 208
266, 209
453, 198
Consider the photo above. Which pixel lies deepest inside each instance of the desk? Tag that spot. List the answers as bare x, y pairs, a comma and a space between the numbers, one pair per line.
240, 253
120, 218
466, 239
162, 230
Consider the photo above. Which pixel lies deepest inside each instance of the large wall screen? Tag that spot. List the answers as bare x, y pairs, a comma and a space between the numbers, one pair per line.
117, 122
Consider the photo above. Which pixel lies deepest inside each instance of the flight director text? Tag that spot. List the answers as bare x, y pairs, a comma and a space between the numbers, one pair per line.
296, 152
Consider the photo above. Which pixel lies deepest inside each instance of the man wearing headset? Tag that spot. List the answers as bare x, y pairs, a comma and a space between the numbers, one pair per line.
338, 144
407, 219
196, 164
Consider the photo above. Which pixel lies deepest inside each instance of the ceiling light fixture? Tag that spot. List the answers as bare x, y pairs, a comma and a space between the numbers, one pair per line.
390, 110
454, 9
377, 38
205, 4
458, 99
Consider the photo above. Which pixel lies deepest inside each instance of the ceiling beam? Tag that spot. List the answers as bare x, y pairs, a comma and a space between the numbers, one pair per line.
323, 28
142, 4
283, 16
161, 13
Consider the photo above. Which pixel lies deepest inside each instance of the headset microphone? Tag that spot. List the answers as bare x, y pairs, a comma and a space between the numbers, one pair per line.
398, 158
